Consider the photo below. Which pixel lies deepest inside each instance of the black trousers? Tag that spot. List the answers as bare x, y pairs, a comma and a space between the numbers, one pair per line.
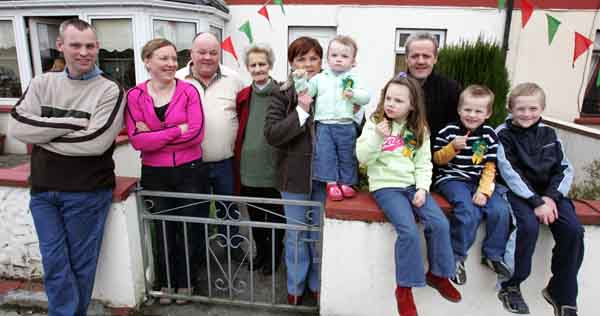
189, 178
263, 236
567, 253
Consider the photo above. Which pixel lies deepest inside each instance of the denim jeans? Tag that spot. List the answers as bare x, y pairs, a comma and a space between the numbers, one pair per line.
302, 257
221, 182
466, 218
334, 159
567, 254
410, 270
70, 227
190, 178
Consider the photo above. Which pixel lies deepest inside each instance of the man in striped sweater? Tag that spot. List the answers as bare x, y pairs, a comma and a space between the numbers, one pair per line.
72, 118
465, 153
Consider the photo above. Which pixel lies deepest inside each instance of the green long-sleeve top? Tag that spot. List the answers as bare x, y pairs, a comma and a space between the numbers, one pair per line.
328, 87
394, 162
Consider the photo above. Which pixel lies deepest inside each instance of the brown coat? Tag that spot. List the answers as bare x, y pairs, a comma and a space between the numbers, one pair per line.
293, 143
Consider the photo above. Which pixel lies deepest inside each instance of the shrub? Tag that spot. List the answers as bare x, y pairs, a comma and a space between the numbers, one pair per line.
590, 188
478, 62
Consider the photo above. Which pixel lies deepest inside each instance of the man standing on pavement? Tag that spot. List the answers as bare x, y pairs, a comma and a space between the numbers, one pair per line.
218, 87
441, 94
72, 118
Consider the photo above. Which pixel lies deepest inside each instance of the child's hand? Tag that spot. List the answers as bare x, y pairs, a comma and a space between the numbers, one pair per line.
383, 128
419, 198
479, 199
299, 73
460, 142
546, 213
348, 94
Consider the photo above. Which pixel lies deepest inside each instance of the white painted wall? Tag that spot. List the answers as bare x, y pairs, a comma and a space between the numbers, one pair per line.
119, 278
127, 161
364, 284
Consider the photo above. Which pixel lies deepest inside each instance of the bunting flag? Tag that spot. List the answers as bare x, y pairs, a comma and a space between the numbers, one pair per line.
526, 11
280, 3
245, 28
501, 4
227, 46
263, 11
582, 44
598, 80
553, 24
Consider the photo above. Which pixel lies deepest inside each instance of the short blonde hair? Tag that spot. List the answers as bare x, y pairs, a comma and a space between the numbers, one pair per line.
346, 41
260, 49
527, 89
477, 91
154, 44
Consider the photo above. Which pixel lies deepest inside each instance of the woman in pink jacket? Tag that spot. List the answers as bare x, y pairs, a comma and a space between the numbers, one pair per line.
165, 122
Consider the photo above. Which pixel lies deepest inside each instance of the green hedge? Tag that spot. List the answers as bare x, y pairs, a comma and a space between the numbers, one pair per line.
478, 62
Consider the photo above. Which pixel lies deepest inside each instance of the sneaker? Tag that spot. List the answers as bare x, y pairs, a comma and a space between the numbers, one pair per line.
564, 310
499, 267
460, 275
347, 191
513, 301
405, 301
334, 192
443, 285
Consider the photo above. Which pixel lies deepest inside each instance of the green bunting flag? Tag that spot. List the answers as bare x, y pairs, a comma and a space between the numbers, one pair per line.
501, 4
280, 3
553, 24
598, 80
245, 28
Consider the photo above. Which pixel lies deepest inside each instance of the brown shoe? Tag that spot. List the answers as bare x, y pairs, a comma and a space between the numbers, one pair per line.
183, 291
443, 285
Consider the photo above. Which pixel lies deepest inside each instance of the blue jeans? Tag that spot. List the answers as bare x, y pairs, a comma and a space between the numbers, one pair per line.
334, 159
466, 218
397, 206
302, 256
221, 182
70, 227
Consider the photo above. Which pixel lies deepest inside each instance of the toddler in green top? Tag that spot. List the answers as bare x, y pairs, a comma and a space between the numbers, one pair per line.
337, 91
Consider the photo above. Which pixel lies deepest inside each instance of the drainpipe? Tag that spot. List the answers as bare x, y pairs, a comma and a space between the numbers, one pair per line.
510, 4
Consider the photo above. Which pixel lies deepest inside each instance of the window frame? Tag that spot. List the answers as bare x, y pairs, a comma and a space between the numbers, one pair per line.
173, 19
399, 30
220, 28
22, 49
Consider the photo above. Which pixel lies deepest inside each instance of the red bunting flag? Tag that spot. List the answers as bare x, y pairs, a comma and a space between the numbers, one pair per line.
526, 11
227, 46
263, 11
582, 44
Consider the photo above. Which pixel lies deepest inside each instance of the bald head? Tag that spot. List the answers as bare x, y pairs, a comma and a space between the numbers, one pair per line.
206, 55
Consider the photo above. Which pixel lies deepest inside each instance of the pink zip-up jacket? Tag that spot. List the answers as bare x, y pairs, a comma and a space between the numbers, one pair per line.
164, 145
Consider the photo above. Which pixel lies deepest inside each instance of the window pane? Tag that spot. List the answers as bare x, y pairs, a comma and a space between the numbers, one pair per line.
217, 32
49, 54
180, 34
591, 101
10, 83
116, 50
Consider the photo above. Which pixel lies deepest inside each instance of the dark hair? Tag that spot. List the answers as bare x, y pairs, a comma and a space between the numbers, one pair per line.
303, 45
153, 45
80, 25
416, 121
477, 91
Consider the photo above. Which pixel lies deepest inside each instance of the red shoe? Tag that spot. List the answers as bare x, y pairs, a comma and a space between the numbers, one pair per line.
443, 285
294, 300
347, 191
316, 295
406, 302
334, 193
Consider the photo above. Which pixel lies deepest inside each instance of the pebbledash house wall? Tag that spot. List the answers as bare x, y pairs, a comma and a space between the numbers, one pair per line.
373, 24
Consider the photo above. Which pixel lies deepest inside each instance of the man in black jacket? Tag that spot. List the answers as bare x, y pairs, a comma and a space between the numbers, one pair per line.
441, 94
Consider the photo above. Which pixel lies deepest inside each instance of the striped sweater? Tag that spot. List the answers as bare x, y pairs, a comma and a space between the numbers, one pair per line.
464, 165
73, 124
